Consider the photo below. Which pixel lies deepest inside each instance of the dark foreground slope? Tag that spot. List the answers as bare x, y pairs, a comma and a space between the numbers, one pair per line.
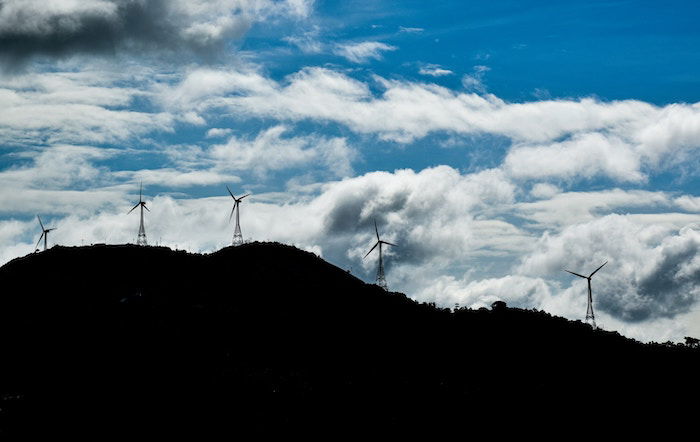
265, 336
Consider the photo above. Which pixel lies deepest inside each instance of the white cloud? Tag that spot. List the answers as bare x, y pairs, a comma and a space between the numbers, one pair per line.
308, 41
568, 208
586, 155
216, 132
407, 110
544, 190
475, 80
689, 203
171, 177
434, 70
91, 106
362, 52
552, 139
651, 272
271, 151
515, 290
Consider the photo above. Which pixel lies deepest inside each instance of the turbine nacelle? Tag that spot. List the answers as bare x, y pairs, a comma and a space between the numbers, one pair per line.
379, 241
589, 276
141, 202
236, 202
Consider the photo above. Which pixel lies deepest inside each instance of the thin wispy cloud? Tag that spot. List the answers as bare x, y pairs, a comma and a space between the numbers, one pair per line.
434, 70
362, 52
410, 30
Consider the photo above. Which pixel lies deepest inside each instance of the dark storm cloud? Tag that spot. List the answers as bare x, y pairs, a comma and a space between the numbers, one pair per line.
56, 29
650, 275
429, 214
671, 286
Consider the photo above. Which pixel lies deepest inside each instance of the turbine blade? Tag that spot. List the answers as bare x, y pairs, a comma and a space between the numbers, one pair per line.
40, 223
598, 269
40, 238
584, 277
132, 209
370, 250
140, 190
229, 192
247, 194
144, 206
375, 229
390, 244
232, 210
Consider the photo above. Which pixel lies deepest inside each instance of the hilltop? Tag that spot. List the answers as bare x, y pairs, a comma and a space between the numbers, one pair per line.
268, 336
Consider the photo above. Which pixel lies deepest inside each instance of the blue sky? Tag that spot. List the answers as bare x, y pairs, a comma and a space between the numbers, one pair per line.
496, 142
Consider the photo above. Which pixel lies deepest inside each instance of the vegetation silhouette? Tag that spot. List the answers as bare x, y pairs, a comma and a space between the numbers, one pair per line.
146, 340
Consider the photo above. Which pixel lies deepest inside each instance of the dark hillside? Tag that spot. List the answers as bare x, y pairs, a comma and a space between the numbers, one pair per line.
265, 336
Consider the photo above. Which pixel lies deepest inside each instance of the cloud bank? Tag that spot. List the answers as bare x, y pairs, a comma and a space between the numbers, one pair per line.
65, 27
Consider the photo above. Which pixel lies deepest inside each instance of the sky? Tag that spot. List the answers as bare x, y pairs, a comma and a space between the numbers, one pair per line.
496, 143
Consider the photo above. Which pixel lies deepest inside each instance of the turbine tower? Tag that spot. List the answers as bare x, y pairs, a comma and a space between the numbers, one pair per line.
381, 280
141, 239
44, 234
237, 235
590, 316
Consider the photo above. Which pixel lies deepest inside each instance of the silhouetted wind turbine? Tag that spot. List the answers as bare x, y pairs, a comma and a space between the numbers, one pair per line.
381, 280
589, 312
237, 235
141, 240
44, 234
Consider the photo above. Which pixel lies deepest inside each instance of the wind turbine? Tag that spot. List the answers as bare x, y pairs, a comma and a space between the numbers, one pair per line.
381, 280
237, 235
44, 234
141, 240
590, 316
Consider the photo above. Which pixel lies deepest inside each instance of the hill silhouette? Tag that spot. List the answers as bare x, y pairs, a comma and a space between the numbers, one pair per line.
264, 336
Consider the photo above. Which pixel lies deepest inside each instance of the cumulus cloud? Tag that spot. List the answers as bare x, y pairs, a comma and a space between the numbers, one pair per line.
50, 179
584, 156
544, 190
429, 214
362, 52
651, 273
567, 208
585, 138
271, 151
454, 241
90, 106
689, 203
65, 27
515, 290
